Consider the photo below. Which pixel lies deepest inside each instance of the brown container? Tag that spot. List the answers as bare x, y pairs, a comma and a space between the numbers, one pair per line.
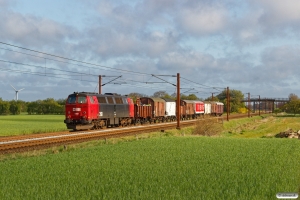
186, 107
217, 108
158, 106
213, 108
220, 108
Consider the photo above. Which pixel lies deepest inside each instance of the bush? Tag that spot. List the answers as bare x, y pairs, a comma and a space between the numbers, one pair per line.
208, 127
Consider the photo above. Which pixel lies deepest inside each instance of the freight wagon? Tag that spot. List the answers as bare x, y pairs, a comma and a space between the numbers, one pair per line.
217, 108
157, 108
190, 109
170, 109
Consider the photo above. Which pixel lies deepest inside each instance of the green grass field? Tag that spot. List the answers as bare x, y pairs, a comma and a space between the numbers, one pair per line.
27, 124
232, 166
189, 167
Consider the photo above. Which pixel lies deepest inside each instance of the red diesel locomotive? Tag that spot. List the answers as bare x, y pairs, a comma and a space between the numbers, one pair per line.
92, 110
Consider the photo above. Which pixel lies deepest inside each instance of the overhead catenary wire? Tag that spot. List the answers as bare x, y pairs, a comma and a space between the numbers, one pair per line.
46, 58
211, 87
55, 75
88, 63
79, 73
70, 59
42, 74
42, 67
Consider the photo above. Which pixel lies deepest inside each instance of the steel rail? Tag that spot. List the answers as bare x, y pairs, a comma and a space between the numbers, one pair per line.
41, 141
16, 144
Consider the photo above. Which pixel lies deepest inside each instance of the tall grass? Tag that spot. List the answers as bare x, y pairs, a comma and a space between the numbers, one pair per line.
159, 168
256, 127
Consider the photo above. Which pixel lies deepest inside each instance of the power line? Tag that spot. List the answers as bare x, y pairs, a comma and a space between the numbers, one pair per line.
53, 75
128, 71
29, 65
207, 87
112, 69
42, 74
73, 59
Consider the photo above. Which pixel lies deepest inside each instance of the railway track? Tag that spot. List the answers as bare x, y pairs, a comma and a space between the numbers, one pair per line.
41, 141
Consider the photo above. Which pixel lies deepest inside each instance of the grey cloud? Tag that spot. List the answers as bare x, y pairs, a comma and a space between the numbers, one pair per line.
150, 36
33, 31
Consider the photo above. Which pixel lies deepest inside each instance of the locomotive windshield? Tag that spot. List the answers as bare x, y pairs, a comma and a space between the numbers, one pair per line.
76, 99
72, 99
81, 99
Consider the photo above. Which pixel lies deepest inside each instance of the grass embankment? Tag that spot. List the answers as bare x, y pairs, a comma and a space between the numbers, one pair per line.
260, 126
158, 168
28, 124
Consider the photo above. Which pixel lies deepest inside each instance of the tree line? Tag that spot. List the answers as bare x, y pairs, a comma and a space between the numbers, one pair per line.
47, 106
52, 106
293, 106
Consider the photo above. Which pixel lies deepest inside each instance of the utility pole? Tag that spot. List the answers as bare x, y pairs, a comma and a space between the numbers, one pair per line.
228, 103
178, 101
100, 84
100, 81
259, 105
249, 104
212, 96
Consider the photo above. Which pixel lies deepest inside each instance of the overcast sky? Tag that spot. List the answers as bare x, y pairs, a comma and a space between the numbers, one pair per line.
247, 45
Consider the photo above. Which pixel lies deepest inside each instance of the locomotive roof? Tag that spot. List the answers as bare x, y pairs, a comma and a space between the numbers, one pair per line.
84, 93
97, 94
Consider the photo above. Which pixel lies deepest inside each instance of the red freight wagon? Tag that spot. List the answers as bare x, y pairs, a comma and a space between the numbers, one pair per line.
191, 109
199, 107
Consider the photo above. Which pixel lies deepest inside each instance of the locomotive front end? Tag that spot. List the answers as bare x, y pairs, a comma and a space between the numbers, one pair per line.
77, 112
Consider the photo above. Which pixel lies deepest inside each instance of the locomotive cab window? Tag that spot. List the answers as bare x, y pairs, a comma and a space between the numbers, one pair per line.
72, 99
81, 100
91, 99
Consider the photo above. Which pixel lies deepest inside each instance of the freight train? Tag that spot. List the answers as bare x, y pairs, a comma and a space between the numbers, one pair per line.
86, 110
